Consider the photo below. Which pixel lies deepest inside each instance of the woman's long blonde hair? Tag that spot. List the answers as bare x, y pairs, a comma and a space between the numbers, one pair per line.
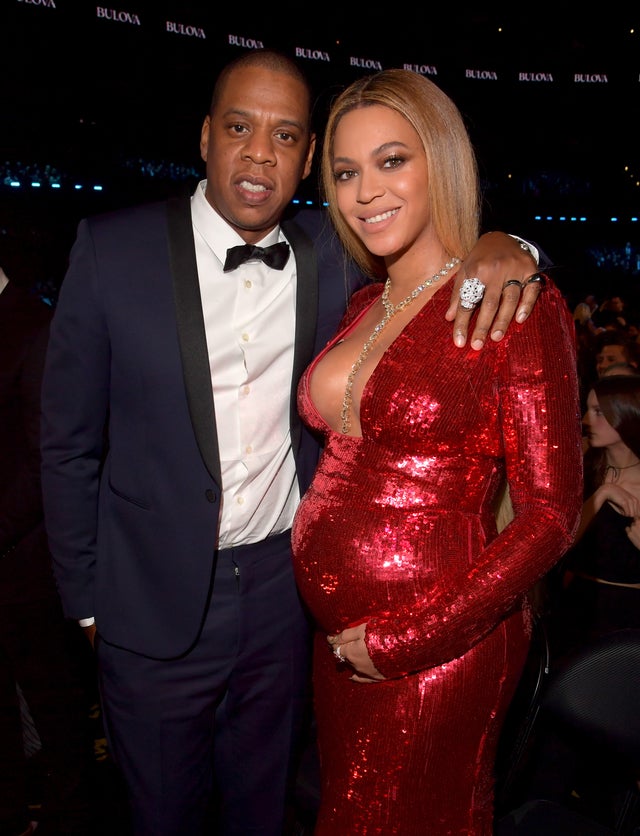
454, 192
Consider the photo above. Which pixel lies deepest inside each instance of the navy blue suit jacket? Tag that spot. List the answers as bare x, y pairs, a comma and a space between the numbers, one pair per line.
130, 462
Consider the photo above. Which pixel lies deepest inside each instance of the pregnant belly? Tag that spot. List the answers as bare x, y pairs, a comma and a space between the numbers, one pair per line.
352, 562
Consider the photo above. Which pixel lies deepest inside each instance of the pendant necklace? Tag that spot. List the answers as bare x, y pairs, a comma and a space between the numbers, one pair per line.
390, 312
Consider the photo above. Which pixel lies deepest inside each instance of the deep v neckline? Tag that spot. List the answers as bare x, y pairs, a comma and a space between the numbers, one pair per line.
384, 356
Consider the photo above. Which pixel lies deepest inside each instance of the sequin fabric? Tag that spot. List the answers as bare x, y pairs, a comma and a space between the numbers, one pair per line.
398, 530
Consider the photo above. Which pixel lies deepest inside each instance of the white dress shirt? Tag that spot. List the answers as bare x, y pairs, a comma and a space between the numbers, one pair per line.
249, 317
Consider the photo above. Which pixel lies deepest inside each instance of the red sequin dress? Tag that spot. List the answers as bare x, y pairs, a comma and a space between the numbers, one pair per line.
398, 530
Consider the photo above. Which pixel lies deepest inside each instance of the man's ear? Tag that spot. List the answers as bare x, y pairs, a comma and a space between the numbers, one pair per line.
204, 138
309, 161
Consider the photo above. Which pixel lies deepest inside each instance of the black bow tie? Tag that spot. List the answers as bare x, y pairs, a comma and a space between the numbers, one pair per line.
275, 256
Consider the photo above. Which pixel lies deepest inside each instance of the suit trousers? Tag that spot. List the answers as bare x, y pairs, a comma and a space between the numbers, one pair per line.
212, 737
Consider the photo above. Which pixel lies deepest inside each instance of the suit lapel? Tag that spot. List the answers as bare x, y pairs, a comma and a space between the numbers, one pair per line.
306, 314
191, 333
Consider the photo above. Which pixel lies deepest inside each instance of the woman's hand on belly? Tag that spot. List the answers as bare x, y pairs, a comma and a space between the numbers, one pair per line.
349, 647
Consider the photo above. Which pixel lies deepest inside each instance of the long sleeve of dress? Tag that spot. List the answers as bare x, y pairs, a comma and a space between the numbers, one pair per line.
540, 423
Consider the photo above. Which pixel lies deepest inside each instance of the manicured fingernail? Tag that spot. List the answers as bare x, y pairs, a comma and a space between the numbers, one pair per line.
477, 344
496, 336
521, 316
459, 340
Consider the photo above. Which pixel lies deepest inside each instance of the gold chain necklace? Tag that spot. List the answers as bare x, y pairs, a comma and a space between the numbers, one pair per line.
615, 471
390, 311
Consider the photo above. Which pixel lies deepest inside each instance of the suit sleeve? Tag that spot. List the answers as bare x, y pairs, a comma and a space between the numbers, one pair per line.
74, 418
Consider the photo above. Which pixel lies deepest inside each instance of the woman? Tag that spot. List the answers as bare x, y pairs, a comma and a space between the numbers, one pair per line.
595, 590
602, 582
396, 547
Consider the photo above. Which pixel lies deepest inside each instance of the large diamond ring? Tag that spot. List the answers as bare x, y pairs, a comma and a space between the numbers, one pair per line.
471, 292
337, 654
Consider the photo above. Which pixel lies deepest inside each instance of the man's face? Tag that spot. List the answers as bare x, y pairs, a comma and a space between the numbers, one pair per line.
258, 147
609, 355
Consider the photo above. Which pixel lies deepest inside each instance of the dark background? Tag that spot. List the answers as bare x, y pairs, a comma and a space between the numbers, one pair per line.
87, 100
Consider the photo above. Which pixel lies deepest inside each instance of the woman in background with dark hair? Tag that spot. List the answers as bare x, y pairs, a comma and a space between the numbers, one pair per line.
595, 590
601, 584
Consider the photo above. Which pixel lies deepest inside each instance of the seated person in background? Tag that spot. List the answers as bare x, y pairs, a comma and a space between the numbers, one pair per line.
622, 368
583, 315
611, 313
615, 346
595, 590
39, 665
601, 585
633, 331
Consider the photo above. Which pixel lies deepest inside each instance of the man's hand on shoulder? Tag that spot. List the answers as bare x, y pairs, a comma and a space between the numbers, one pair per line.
505, 265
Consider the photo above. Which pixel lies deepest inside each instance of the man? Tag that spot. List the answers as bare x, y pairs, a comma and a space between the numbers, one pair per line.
38, 661
174, 458
615, 347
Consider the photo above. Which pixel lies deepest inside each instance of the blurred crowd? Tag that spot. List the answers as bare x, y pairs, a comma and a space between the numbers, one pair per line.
607, 334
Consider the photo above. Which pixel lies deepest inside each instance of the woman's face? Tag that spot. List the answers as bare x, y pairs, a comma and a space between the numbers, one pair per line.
599, 430
380, 170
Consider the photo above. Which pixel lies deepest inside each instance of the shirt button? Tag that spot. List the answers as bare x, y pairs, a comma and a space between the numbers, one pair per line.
248, 449
240, 500
248, 283
246, 390
245, 338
